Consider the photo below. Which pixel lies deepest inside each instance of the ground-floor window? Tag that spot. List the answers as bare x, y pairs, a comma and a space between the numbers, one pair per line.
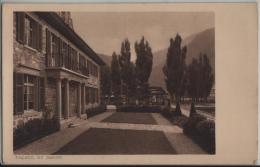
28, 93
92, 95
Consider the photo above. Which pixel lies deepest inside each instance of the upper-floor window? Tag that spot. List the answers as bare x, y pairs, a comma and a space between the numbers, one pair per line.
65, 53
82, 65
28, 31
92, 68
54, 50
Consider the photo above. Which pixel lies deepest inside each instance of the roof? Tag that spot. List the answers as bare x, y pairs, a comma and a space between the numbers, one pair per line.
56, 22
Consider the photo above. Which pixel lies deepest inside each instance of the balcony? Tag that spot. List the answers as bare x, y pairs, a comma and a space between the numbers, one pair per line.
59, 68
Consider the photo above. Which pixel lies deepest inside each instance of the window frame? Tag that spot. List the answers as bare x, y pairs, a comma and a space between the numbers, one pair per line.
27, 86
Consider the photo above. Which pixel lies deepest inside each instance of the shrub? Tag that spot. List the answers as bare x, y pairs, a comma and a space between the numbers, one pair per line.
190, 125
32, 130
192, 109
139, 108
175, 119
202, 131
179, 120
177, 110
96, 110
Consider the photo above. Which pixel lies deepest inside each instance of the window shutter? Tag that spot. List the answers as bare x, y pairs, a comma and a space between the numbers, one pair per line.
68, 57
41, 93
19, 93
39, 39
60, 53
14, 93
20, 16
36, 93
34, 34
48, 48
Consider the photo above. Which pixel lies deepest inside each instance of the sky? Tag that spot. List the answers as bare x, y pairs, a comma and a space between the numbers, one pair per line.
105, 31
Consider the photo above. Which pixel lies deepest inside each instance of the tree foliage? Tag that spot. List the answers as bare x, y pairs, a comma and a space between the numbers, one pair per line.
200, 78
115, 74
132, 81
124, 60
105, 80
174, 68
144, 62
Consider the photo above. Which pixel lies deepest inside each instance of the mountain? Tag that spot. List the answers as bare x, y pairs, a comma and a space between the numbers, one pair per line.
202, 42
107, 59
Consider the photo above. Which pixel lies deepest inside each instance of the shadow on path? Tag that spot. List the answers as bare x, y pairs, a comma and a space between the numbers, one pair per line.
115, 141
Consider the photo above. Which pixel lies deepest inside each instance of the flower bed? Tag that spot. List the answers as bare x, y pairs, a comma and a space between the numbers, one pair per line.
174, 118
202, 131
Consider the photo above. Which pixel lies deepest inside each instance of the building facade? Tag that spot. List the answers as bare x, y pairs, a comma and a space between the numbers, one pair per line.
55, 72
157, 95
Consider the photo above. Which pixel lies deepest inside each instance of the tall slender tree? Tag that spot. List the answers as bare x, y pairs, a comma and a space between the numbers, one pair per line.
174, 69
132, 84
144, 62
193, 79
200, 78
208, 77
105, 80
124, 61
115, 75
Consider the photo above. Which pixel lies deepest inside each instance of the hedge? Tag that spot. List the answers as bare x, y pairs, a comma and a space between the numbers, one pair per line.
139, 108
33, 130
96, 110
174, 117
202, 131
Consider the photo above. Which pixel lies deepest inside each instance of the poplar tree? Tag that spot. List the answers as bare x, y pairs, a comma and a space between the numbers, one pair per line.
174, 70
115, 74
144, 62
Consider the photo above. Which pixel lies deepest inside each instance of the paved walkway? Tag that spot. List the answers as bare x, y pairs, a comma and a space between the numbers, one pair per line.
53, 142
100, 135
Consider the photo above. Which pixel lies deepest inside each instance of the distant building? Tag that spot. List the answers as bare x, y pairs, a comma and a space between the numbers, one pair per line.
157, 95
55, 71
211, 97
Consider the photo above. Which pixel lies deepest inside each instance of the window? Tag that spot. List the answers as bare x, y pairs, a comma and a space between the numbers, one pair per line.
28, 31
28, 92
41, 94
87, 94
74, 61
82, 65
54, 50
65, 54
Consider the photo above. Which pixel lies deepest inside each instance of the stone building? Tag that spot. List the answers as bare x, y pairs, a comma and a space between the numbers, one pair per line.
55, 72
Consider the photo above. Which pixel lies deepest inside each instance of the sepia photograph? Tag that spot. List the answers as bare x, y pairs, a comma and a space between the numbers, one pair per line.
101, 82
114, 83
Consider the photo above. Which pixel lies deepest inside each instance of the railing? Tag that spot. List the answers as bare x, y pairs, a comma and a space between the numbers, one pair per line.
73, 66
